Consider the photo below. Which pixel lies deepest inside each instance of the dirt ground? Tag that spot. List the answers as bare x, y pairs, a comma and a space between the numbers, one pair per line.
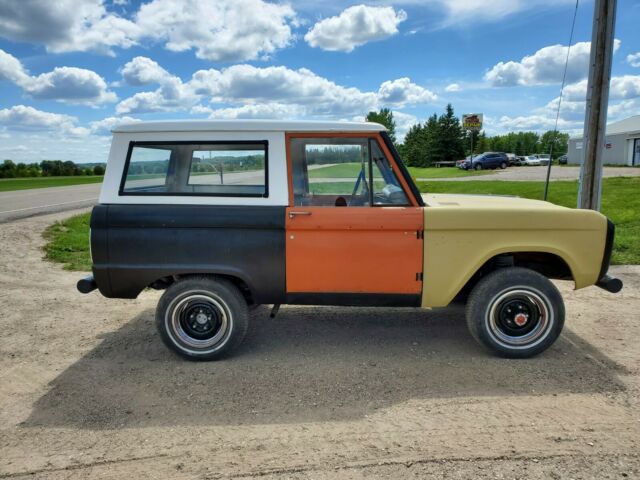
87, 390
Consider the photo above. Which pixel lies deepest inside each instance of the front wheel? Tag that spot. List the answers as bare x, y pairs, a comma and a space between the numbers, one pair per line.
478, 166
515, 312
202, 318
503, 165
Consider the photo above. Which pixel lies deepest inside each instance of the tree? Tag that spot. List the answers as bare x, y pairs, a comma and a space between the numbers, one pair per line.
384, 117
414, 149
98, 170
553, 138
450, 136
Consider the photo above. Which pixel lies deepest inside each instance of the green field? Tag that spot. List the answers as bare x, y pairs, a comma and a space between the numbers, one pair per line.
67, 241
8, 184
351, 170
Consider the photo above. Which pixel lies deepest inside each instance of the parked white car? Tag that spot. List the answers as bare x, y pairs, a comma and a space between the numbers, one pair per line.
531, 160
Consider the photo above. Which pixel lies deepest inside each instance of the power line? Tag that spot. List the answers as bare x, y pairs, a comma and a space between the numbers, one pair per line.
564, 78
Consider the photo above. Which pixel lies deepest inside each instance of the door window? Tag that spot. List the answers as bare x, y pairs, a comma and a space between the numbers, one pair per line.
342, 172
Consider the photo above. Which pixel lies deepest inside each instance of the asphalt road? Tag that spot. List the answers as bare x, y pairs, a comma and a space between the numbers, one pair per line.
38, 201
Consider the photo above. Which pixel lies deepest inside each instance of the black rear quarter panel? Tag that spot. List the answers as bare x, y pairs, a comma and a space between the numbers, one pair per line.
135, 245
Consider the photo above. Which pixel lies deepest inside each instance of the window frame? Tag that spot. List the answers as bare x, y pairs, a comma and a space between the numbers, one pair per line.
146, 143
399, 172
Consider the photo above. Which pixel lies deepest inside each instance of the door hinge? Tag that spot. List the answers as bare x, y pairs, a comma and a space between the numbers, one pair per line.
419, 277
419, 234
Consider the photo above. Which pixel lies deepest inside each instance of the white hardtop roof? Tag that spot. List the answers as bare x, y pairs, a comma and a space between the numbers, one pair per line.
247, 126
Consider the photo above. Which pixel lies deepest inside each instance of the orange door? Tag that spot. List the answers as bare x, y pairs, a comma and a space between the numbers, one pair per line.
354, 250
352, 226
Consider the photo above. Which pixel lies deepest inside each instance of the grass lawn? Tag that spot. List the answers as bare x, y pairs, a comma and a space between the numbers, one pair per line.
351, 170
68, 241
8, 184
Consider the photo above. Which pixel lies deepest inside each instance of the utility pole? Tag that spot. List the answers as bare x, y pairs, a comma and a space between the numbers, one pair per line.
595, 123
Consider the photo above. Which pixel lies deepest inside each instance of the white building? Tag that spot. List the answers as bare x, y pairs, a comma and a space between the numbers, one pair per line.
622, 144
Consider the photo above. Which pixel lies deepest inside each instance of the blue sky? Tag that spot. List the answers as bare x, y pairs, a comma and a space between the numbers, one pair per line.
72, 69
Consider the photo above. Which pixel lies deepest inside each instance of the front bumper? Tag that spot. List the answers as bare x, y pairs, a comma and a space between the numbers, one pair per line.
606, 281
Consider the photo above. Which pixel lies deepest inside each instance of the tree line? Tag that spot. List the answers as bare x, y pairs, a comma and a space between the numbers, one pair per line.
48, 168
442, 138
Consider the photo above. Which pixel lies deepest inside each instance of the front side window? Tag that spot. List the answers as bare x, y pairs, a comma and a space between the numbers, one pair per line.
183, 168
342, 172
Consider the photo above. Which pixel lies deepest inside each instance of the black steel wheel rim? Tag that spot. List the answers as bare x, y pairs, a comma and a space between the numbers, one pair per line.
519, 317
200, 320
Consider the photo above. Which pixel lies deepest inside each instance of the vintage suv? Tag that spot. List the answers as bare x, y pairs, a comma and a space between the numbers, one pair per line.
226, 215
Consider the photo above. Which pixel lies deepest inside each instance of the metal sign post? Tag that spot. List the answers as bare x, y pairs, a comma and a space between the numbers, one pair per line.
589, 194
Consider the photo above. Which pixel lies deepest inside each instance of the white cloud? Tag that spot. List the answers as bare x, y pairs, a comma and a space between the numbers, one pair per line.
172, 95
402, 91
620, 88
535, 122
460, 12
67, 25
11, 69
143, 71
221, 30
263, 110
623, 109
25, 118
452, 87
67, 84
354, 27
104, 126
633, 59
404, 121
544, 66
253, 91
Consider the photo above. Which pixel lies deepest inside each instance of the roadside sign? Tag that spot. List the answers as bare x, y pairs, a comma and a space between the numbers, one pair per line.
472, 121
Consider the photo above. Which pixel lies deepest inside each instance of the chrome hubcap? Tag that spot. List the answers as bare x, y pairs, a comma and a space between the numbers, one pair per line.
519, 318
198, 321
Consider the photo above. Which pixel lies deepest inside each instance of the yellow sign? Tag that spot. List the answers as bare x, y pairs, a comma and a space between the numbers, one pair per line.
472, 121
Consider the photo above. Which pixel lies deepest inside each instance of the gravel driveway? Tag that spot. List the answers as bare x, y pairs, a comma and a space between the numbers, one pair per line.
87, 390
539, 174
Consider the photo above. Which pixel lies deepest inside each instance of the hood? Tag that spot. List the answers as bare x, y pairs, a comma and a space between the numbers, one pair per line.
482, 202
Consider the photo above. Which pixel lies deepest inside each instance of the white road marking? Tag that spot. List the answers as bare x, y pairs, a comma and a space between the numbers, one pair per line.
50, 205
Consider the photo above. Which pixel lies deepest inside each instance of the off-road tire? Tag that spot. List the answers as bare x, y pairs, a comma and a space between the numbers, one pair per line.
202, 318
503, 300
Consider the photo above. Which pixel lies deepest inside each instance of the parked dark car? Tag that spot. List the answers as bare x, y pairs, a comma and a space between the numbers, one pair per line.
562, 159
485, 161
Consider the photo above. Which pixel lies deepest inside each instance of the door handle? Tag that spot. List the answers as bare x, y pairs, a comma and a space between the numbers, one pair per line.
294, 213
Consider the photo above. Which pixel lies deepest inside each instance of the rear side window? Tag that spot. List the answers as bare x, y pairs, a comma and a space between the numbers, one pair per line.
184, 168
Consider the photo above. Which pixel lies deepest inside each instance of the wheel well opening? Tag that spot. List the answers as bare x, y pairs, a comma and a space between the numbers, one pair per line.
164, 282
548, 264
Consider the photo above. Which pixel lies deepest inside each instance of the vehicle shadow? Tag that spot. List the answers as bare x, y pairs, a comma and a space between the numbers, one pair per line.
308, 364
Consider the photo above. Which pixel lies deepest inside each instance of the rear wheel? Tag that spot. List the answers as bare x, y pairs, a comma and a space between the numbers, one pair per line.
202, 318
515, 312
